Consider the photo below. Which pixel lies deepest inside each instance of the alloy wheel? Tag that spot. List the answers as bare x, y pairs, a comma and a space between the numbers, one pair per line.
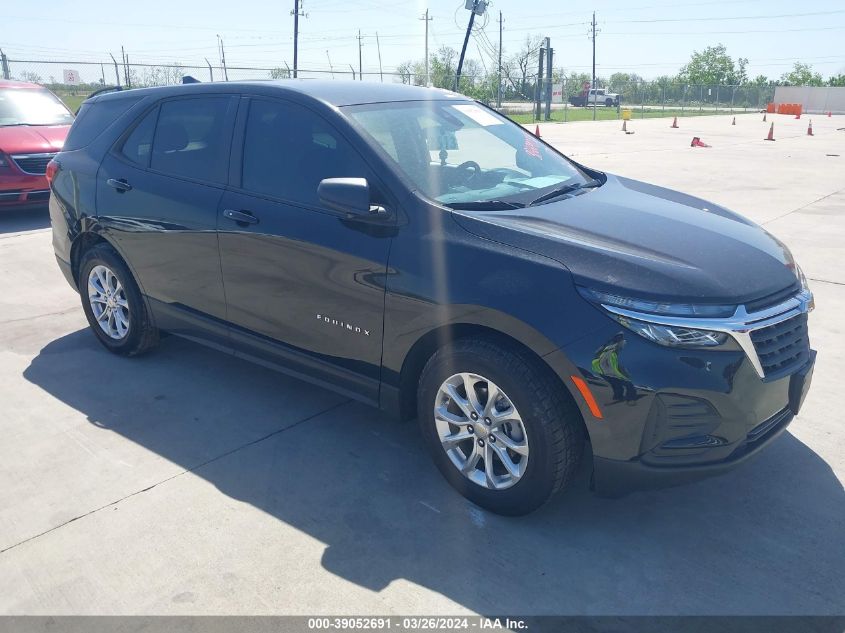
481, 431
108, 302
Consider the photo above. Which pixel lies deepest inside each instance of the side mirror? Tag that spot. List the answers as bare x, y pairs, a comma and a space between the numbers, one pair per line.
347, 195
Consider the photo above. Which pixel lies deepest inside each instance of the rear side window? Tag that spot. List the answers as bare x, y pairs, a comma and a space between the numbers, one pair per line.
190, 139
94, 118
138, 145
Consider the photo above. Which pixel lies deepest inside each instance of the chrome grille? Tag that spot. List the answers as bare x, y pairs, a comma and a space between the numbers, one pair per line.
35, 164
782, 347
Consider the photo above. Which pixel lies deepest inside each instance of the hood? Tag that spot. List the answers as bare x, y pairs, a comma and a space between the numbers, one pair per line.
647, 242
32, 139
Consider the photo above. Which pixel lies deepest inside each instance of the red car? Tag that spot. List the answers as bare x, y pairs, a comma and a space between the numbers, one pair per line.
33, 126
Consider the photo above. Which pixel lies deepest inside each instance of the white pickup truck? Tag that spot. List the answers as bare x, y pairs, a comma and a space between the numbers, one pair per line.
596, 96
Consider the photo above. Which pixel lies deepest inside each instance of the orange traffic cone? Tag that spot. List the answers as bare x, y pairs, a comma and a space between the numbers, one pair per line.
696, 142
798, 115
771, 136
734, 121
810, 129
829, 113
537, 131
675, 123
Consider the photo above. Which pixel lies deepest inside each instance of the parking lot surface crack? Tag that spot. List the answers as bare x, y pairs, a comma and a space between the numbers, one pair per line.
179, 474
809, 204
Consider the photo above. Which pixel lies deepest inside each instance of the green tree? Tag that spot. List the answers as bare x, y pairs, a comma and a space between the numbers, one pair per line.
742, 73
837, 80
802, 75
711, 66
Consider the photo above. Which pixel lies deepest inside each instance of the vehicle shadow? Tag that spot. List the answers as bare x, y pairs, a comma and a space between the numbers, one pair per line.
18, 220
766, 539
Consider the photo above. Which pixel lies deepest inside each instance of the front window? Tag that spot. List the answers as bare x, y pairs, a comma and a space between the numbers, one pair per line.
32, 106
460, 153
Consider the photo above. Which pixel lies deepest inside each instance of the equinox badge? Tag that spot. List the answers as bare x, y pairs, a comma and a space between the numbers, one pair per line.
342, 324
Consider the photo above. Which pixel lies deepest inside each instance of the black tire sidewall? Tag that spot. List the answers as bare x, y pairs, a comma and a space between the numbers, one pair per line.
538, 482
102, 255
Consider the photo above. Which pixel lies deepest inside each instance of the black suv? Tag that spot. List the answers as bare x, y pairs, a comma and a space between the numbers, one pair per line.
415, 250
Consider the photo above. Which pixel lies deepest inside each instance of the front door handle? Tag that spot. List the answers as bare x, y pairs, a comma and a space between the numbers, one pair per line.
241, 217
120, 184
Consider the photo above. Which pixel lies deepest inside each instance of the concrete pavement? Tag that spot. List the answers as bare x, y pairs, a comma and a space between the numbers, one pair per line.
189, 482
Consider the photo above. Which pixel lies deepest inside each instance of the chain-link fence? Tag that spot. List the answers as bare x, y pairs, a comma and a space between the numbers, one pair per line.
518, 97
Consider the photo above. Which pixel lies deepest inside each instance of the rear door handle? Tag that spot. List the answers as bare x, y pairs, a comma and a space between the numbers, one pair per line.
119, 183
241, 217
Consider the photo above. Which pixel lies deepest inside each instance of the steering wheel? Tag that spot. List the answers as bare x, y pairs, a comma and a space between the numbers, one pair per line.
466, 166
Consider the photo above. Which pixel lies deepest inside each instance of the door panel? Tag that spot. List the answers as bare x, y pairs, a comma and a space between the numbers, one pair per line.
165, 223
307, 282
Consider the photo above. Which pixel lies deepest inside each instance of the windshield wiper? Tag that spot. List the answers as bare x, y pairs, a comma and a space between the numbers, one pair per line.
484, 205
564, 190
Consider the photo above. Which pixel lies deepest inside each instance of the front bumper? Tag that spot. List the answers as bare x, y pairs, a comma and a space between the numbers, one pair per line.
672, 416
614, 478
19, 190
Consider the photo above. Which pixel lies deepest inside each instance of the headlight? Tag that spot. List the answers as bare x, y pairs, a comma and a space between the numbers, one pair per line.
669, 335
672, 335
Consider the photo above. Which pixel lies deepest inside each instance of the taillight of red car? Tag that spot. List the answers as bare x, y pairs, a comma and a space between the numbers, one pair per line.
52, 169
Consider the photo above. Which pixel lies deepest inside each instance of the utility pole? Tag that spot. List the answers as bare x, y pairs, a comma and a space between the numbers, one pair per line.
499, 91
360, 44
538, 93
593, 84
548, 96
297, 11
427, 20
476, 6
378, 46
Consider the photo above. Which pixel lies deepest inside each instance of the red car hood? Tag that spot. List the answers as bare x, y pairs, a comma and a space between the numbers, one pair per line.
32, 139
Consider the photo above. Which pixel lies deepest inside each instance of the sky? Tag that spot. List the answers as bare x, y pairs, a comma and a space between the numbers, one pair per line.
648, 37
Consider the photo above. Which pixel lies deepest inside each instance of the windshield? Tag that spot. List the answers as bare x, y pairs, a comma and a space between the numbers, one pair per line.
32, 106
460, 153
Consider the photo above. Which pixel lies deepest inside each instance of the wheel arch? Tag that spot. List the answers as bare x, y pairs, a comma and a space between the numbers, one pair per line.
82, 243
427, 344
85, 241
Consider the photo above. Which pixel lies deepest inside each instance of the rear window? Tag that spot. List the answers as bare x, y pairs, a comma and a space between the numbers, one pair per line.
94, 118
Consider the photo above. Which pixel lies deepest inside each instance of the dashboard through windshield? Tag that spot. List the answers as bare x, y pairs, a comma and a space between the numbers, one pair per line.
461, 153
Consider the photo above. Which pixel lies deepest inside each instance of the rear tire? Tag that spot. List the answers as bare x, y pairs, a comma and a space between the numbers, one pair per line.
608, 103
113, 305
548, 436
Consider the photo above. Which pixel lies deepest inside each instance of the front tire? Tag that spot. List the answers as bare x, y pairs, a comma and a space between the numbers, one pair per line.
113, 305
498, 426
